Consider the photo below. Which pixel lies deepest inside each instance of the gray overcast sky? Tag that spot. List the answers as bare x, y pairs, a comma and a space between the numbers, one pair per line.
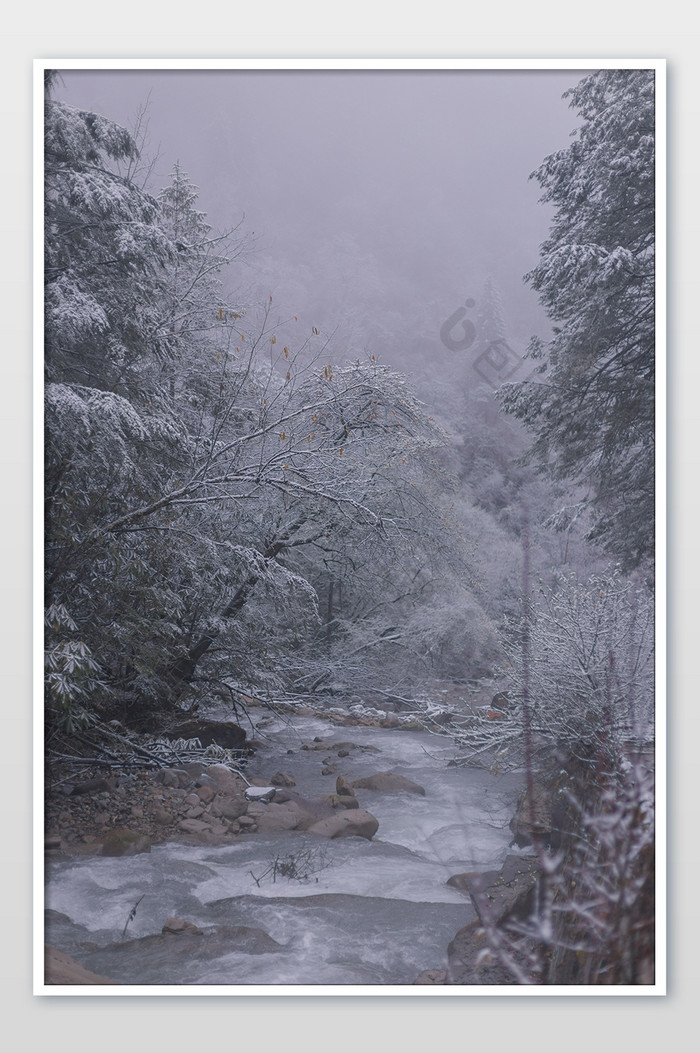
379, 199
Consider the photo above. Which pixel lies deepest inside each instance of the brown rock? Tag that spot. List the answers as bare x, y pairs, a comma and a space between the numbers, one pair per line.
178, 926
193, 826
93, 786
431, 976
352, 823
206, 794
278, 817
219, 829
343, 787
507, 891
534, 816
388, 782
229, 807
60, 968
281, 779
467, 962
252, 940
337, 800
228, 782
461, 881
124, 842
173, 777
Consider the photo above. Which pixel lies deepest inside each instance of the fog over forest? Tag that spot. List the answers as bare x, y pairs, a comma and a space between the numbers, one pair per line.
349, 420
375, 202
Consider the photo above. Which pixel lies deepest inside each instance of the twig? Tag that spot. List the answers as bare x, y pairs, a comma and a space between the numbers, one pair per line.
132, 914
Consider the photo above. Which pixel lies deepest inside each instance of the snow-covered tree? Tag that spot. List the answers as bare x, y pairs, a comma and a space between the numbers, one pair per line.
205, 481
490, 320
592, 405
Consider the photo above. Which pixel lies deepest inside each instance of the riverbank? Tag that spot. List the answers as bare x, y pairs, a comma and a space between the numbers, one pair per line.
198, 847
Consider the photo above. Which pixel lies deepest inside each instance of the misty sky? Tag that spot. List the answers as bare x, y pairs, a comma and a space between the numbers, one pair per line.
379, 200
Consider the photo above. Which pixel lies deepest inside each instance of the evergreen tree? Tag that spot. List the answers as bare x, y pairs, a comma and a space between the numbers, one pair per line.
202, 482
592, 406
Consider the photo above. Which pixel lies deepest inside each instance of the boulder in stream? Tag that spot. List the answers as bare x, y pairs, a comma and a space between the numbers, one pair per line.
388, 782
178, 927
343, 787
534, 816
277, 817
353, 823
124, 842
281, 778
226, 781
60, 968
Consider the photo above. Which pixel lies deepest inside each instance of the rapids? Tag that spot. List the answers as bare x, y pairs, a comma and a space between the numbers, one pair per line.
366, 913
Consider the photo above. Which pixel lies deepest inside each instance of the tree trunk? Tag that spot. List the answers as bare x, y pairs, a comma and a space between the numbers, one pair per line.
184, 668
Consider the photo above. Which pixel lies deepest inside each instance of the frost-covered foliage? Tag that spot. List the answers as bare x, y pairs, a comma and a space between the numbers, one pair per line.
579, 720
206, 484
592, 406
105, 254
582, 667
592, 915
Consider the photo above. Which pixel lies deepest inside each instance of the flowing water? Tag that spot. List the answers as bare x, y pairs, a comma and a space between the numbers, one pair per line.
367, 912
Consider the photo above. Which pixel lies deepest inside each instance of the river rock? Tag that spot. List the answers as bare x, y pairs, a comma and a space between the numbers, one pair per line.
227, 782
507, 891
191, 947
60, 968
353, 823
229, 808
205, 780
343, 787
461, 881
278, 817
388, 782
308, 809
328, 745
193, 826
431, 976
124, 842
280, 778
174, 777
206, 794
260, 794
93, 786
534, 815
501, 700
193, 768
341, 800
178, 926
250, 940
468, 961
